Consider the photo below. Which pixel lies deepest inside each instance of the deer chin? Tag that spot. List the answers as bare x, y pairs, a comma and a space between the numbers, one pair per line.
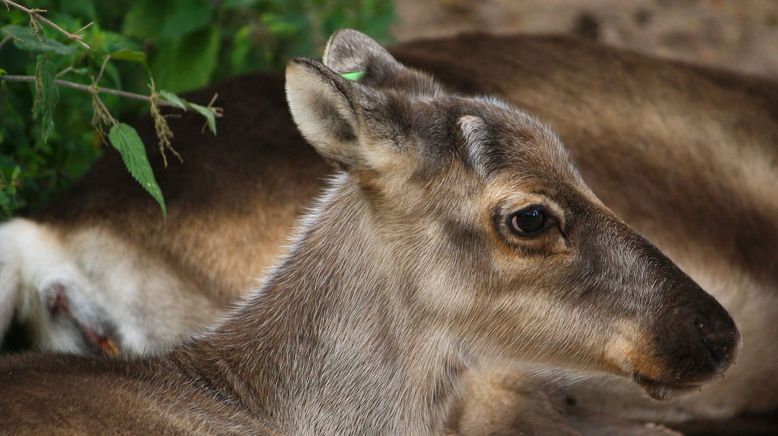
663, 391
679, 364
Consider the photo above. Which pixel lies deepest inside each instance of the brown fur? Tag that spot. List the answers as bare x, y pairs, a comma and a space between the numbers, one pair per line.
223, 382
685, 154
680, 138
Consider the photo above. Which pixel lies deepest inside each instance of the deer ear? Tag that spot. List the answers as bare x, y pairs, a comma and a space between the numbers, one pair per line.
349, 51
325, 108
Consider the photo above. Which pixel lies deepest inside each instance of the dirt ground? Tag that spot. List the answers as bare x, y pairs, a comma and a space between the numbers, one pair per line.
735, 34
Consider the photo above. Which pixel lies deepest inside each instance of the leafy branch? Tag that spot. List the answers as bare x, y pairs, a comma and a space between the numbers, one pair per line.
121, 136
36, 17
168, 99
99, 90
178, 45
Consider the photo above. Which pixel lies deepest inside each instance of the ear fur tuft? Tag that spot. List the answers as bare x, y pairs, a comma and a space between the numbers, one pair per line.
475, 135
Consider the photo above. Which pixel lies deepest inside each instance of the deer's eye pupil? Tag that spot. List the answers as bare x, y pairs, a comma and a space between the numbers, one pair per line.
528, 221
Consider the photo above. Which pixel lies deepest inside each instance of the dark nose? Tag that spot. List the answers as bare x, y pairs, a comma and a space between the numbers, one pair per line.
716, 338
701, 342
701, 338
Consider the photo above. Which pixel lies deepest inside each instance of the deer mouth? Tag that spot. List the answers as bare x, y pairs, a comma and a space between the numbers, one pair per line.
663, 391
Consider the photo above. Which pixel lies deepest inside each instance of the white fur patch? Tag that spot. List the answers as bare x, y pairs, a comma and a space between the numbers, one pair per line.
475, 135
106, 282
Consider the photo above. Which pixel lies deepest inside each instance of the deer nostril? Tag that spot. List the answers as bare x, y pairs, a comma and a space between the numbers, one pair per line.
717, 341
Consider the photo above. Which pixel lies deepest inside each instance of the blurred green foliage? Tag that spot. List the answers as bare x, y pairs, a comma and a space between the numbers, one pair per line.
47, 136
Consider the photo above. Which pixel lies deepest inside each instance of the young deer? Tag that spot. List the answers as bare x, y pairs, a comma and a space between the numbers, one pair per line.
457, 228
684, 154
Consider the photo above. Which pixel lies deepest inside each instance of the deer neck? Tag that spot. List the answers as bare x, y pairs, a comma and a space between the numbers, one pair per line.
330, 343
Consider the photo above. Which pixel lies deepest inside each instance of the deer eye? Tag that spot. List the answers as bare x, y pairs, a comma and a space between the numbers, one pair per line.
528, 221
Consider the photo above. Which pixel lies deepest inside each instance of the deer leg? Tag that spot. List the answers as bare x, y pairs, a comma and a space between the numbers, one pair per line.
42, 287
64, 301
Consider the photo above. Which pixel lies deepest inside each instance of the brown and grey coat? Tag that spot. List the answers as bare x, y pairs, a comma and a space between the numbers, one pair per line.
422, 258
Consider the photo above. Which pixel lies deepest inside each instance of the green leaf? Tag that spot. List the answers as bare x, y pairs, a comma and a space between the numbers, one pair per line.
3, 72
78, 8
172, 98
167, 19
236, 4
187, 16
353, 75
186, 63
204, 111
129, 55
126, 140
9, 200
145, 18
46, 95
5, 203
241, 49
25, 39
279, 25
185, 105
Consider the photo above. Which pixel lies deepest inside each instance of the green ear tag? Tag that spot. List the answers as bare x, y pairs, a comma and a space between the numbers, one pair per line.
354, 75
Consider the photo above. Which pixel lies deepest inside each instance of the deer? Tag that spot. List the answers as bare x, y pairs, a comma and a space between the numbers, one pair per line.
535, 72
680, 152
455, 227
103, 228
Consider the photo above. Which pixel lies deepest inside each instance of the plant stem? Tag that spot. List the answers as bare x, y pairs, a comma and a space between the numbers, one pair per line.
87, 88
34, 15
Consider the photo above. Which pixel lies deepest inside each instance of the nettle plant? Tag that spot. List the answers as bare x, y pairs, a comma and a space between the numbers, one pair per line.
54, 61
119, 59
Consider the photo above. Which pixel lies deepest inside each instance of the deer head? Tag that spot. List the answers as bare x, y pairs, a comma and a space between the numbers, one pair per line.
509, 251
